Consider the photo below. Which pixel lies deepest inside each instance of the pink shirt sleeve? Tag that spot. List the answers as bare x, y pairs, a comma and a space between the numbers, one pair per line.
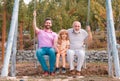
55, 36
37, 31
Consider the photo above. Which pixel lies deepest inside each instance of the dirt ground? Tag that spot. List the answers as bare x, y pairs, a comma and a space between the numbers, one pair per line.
26, 71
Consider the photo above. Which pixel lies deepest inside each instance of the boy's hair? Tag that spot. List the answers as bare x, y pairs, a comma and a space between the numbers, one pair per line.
63, 31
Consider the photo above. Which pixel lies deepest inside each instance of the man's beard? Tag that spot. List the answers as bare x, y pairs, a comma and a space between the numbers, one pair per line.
47, 27
76, 31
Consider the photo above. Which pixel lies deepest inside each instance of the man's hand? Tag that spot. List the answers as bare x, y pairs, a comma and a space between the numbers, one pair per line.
88, 28
89, 38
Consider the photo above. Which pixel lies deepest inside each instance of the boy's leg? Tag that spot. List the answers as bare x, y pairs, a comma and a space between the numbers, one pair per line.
63, 63
57, 60
63, 60
40, 56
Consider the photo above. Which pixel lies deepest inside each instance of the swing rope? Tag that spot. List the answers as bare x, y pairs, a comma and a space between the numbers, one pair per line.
87, 24
88, 14
35, 45
34, 30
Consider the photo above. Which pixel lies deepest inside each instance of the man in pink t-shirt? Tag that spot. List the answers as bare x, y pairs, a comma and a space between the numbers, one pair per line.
46, 45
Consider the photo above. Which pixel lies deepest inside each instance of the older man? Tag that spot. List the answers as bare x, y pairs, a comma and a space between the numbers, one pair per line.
78, 37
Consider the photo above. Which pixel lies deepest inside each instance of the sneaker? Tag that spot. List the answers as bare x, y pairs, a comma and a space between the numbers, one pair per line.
57, 70
63, 70
52, 73
45, 73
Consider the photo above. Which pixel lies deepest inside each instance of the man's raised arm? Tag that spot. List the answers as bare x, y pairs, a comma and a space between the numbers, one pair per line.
89, 38
34, 22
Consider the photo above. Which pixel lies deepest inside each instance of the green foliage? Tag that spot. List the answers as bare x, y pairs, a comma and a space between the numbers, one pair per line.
116, 13
98, 15
63, 13
9, 8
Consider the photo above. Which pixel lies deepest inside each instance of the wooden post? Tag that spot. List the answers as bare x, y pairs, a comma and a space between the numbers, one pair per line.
109, 51
14, 20
14, 51
4, 31
110, 26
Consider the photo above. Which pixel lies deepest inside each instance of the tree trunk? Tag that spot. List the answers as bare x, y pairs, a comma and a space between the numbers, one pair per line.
21, 36
4, 30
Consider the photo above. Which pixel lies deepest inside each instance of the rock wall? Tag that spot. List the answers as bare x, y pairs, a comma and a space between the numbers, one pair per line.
91, 56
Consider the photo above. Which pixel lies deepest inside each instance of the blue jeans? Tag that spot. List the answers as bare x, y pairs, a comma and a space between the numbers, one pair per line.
52, 58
